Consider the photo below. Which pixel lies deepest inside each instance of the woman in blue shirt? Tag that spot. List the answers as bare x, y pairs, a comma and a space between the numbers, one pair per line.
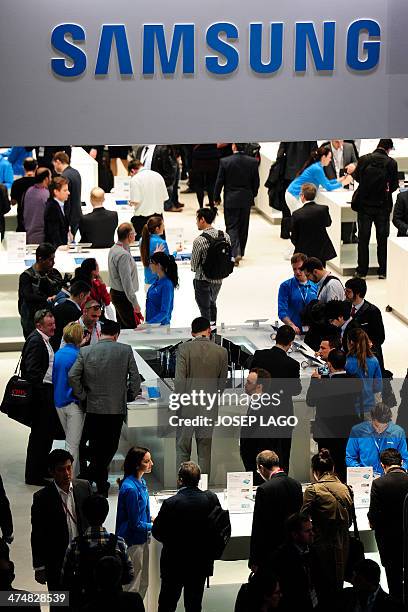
133, 520
313, 172
160, 296
68, 409
361, 363
152, 241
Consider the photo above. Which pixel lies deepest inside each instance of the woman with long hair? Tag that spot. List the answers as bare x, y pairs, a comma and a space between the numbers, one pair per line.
362, 363
67, 405
313, 172
88, 271
160, 296
133, 519
329, 504
152, 241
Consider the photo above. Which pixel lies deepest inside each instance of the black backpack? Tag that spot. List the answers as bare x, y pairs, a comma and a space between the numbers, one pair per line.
219, 531
88, 559
218, 263
374, 185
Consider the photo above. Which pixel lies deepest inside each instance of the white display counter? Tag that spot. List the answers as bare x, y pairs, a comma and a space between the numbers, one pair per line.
143, 419
397, 286
241, 526
339, 203
67, 261
269, 151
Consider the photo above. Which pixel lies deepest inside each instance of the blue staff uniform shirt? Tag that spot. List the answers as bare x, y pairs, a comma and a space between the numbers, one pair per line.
159, 301
155, 241
293, 297
133, 520
313, 174
365, 445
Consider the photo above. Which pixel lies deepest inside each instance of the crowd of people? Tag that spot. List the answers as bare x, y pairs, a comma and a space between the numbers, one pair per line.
82, 379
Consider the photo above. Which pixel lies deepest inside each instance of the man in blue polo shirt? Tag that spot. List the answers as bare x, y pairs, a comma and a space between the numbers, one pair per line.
368, 439
295, 293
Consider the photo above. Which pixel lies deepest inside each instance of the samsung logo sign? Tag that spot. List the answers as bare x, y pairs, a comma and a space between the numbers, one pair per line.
265, 53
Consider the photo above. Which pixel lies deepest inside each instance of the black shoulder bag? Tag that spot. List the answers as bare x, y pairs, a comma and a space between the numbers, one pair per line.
18, 396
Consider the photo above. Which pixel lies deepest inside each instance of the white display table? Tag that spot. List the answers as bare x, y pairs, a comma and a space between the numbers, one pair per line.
241, 526
65, 261
143, 419
269, 151
397, 286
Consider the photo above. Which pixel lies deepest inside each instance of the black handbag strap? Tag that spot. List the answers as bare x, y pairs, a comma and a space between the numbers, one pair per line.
353, 514
17, 371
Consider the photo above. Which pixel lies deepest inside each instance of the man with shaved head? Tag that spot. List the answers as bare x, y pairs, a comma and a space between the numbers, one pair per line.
98, 227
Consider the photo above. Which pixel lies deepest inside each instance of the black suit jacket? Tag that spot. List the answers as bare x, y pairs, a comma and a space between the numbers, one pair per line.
181, 526
56, 225
64, 313
35, 359
349, 157
74, 201
98, 228
309, 233
400, 216
49, 530
6, 519
239, 175
293, 571
296, 155
369, 318
385, 512
285, 373
334, 399
275, 501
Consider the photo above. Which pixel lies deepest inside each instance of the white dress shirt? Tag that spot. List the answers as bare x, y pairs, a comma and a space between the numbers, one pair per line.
146, 156
48, 375
338, 159
61, 205
68, 504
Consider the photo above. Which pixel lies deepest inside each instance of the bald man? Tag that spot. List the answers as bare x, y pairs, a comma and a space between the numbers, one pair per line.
99, 226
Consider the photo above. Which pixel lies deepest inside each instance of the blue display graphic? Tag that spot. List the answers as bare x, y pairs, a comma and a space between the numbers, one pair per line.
311, 51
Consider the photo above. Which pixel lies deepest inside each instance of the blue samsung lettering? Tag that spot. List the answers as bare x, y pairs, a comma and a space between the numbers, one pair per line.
371, 47
71, 51
306, 33
231, 55
363, 46
109, 33
275, 48
183, 34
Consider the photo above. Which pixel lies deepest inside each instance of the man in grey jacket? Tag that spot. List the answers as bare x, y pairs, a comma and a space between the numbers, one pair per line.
123, 278
201, 365
106, 376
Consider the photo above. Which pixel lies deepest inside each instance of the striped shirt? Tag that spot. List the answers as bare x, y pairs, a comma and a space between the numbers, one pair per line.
199, 253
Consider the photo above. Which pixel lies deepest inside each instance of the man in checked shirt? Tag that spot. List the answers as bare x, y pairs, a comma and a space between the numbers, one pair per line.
206, 289
86, 550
